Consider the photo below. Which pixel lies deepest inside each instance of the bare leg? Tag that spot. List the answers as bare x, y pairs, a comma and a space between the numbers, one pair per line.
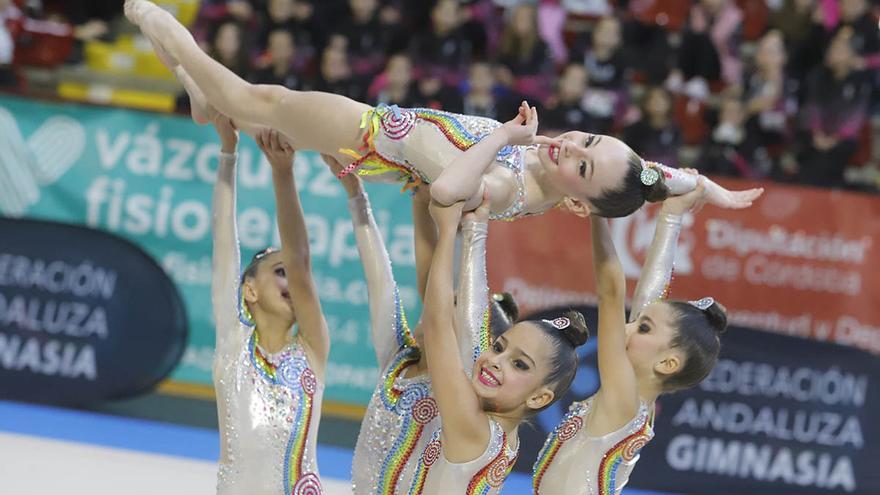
202, 112
311, 120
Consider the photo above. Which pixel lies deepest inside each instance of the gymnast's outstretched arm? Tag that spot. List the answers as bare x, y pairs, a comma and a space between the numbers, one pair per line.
472, 298
388, 326
295, 252
656, 273
225, 255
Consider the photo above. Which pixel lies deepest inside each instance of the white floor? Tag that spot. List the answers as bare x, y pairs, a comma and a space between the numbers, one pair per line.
37, 466
54, 451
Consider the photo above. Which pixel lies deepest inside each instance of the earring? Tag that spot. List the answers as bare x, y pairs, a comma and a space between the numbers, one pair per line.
244, 314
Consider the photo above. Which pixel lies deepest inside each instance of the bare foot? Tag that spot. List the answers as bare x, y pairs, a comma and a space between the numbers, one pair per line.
164, 57
135, 10
201, 111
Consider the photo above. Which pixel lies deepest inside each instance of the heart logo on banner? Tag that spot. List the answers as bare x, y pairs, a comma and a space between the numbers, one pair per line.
40, 161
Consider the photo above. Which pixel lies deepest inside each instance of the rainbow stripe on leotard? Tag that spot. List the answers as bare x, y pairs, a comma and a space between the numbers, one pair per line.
566, 430
493, 474
624, 451
415, 406
397, 125
296, 480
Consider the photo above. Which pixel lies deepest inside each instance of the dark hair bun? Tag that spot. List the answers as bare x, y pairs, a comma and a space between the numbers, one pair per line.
717, 316
577, 333
658, 191
505, 302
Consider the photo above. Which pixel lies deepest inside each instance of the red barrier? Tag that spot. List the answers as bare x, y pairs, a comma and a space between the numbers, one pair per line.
802, 261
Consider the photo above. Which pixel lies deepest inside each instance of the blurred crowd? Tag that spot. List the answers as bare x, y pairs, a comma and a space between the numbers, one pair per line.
762, 89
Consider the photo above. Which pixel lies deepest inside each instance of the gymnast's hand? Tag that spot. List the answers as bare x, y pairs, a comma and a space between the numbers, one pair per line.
277, 151
481, 214
692, 201
350, 182
734, 200
227, 132
446, 217
522, 130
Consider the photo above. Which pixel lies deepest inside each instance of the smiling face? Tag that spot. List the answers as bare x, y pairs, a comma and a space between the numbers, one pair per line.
586, 164
649, 339
510, 375
267, 291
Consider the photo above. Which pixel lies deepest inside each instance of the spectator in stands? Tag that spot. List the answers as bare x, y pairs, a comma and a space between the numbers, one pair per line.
226, 45
794, 19
240, 10
865, 40
565, 110
728, 150
367, 39
709, 49
395, 85
526, 64
770, 98
836, 106
601, 53
444, 48
335, 75
431, 92
603, 57
296, 17
278, 67
213, 12
649, 43
655, 136
477, 19
480, 96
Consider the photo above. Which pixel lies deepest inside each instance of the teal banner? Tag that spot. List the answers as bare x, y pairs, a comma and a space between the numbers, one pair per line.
148, 178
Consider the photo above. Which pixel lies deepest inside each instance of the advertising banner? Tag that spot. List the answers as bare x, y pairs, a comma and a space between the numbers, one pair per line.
148, 178
778, 415
800, 262
84, 315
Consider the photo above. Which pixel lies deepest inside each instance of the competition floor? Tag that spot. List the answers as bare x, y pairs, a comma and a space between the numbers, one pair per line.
45, 450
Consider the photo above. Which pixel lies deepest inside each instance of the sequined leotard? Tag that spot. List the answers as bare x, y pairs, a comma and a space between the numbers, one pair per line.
484, 475
402, 414
268, 405
574, 462
416, 144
